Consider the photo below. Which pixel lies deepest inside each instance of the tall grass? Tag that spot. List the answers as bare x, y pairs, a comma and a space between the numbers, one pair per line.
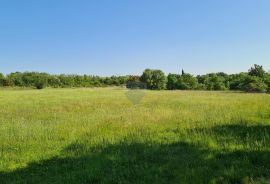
98, 136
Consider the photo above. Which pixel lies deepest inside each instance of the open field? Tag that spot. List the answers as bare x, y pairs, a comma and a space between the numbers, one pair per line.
85, 136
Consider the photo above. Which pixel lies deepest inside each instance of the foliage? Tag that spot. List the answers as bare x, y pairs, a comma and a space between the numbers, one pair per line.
134, 82
187, 81
267, 82
154, 79
172, 81
255, 80
183, 82
254, 84
237, 81
257, 71
2, 80
41, 80
213, 81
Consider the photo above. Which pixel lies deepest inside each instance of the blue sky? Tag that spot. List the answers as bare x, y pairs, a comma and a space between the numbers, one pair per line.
118, 37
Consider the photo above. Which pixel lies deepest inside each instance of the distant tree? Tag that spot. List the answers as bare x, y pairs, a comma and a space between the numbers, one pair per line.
254, 84
134, 82
40, 80
255, 80
15, 79
54, 81
40, 83
267, 82
257, 71
154, 79
236, 81
183, 72
201, 86
2, 80
184, 82
172, 81
201, 78
214, 82
222, 74
66, 80
123, 79
187, 82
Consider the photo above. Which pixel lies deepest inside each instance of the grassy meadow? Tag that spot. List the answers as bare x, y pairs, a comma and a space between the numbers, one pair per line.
89, 136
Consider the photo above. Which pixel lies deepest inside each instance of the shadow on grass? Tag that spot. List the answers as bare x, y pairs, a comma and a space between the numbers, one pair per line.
247, 135
147, 163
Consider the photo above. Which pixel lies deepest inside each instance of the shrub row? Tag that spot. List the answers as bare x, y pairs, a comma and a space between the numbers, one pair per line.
255, 80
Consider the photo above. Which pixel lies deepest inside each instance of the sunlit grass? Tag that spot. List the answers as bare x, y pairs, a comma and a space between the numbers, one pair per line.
99, 136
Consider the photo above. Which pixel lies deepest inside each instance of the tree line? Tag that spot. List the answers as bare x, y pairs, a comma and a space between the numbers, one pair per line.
42, 80
255, 80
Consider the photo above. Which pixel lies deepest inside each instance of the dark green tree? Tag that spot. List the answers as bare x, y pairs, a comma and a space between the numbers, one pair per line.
40, 83
267, 81
214, 82
172, 81
187, 82
254, 84
183, 72
257, 71
237, 81
2, 80
154, 79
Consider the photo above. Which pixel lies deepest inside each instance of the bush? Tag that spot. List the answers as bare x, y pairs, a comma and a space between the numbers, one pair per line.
184, 82
236, 81
257, 71
256, 87
40, 83
39, 80
133, 82
201, 86
255, 80
254, 84
172, 81
154, 79
214, 82
267, 82
2, 80
187, 82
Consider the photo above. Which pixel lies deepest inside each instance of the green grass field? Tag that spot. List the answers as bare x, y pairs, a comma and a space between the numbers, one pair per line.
88, 136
